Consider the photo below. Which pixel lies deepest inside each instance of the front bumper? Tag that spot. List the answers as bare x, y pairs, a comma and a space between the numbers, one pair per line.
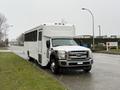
75, 63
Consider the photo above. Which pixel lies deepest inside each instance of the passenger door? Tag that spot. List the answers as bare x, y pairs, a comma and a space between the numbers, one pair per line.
45, 51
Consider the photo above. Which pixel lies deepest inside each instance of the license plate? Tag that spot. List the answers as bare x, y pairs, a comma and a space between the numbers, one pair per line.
80, 62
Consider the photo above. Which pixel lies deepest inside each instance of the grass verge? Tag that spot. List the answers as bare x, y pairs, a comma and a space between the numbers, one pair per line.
18, 74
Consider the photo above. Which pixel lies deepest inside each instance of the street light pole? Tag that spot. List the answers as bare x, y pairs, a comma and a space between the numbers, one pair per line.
99, 30
92, 26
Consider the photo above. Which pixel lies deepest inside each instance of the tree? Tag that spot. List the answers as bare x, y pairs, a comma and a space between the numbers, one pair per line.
20, 40
2, 25
3, 29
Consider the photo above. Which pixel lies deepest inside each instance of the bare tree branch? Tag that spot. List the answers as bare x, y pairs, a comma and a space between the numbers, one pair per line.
2, 20
2, 26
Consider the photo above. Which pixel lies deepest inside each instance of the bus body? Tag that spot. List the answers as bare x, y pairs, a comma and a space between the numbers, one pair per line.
53, 45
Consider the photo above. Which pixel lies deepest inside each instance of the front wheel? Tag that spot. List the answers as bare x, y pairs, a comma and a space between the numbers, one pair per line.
54, 67
87, 69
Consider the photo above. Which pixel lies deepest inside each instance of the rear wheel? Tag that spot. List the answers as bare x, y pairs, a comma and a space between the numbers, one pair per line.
28, 55
54, 66
29, 58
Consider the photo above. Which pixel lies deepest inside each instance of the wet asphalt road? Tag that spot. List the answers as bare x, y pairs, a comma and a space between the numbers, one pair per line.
105, 75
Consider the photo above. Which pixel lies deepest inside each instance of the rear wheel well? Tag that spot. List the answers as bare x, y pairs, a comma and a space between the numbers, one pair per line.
28, 53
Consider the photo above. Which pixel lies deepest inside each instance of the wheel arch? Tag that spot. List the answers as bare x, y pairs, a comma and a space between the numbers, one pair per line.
54, 55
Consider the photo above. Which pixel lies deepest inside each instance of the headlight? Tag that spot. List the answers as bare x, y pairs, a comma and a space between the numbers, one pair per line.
90, 54
62, 54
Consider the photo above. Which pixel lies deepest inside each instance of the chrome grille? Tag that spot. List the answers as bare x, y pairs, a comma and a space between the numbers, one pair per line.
78, 55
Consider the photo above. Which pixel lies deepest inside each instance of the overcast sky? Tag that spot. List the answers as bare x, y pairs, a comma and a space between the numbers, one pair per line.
26, 14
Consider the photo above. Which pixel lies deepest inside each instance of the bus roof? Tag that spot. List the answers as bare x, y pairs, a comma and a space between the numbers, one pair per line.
40, 27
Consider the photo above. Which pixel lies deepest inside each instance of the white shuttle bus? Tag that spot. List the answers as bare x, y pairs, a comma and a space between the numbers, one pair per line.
53, 46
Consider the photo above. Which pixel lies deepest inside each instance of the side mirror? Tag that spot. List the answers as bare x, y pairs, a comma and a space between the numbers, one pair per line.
48, 44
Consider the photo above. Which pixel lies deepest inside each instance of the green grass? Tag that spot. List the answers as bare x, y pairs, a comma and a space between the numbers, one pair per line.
18, 74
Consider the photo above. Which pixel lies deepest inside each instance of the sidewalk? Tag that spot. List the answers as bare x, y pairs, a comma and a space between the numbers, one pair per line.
17, 50
21, 54
5, 50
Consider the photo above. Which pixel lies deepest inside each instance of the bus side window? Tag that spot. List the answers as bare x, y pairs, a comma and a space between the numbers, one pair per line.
40, 36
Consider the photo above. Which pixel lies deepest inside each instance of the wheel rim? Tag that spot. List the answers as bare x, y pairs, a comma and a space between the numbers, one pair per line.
52, 67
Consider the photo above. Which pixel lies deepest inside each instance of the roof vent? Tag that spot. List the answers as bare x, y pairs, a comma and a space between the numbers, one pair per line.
55, 23
59, 23
44, 24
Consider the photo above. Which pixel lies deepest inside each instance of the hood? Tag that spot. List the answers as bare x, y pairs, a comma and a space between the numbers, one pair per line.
71, 48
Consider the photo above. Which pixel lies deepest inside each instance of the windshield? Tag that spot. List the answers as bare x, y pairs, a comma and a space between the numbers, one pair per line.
63, 42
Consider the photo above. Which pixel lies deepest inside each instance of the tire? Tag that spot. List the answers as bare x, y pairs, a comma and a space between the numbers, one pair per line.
29, 58
54, 67
28, 55
87, 69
